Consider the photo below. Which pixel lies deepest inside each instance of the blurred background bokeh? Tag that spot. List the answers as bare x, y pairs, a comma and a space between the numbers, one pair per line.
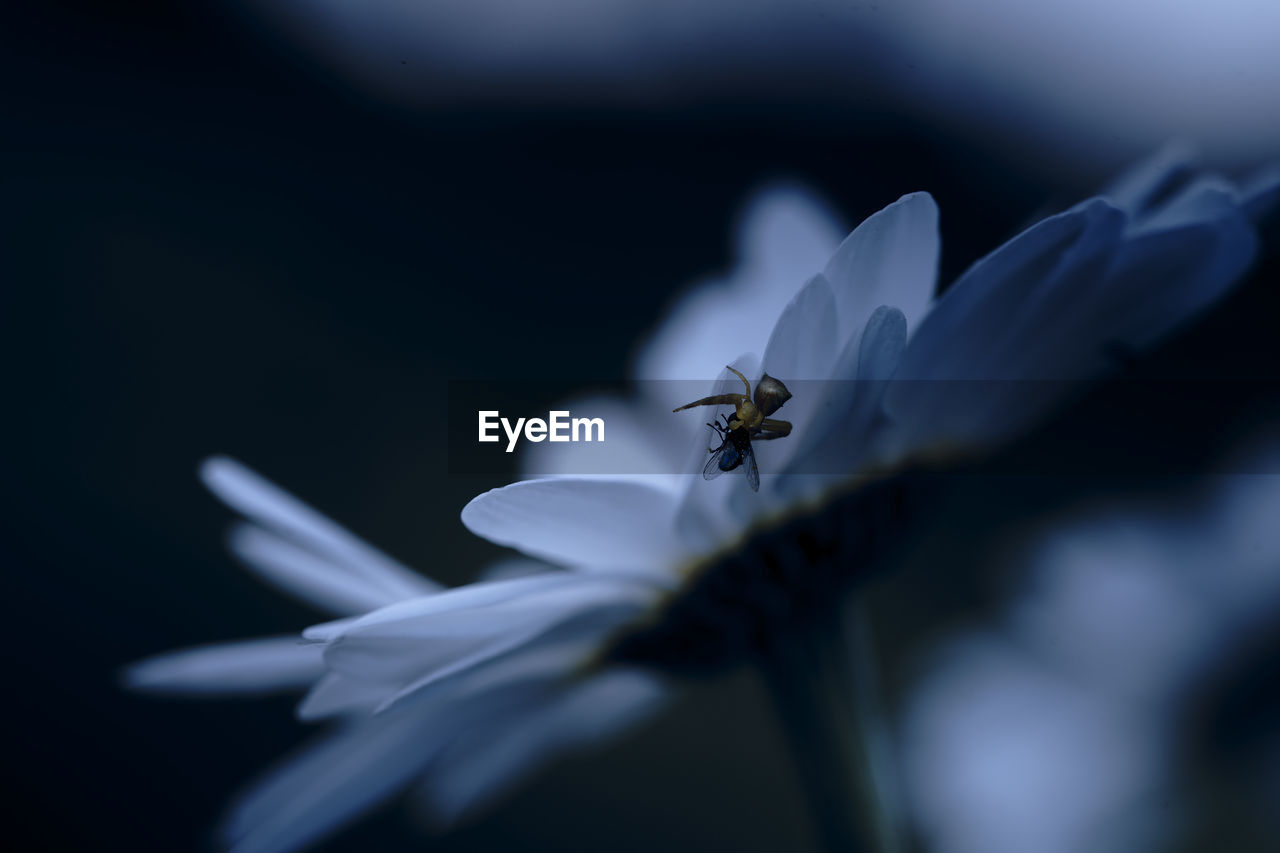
277, 231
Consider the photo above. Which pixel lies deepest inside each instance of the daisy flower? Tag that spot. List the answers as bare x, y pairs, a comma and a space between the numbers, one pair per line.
665, 575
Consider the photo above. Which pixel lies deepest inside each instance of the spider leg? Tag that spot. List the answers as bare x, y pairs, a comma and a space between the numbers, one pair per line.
771, 429
717, 400
743, 378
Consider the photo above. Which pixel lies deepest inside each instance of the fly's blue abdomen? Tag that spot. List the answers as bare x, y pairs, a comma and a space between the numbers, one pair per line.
730, 458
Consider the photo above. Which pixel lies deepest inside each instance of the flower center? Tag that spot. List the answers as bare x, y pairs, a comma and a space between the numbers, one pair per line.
780, 574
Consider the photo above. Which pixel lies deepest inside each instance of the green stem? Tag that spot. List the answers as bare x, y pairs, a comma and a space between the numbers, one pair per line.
821, 679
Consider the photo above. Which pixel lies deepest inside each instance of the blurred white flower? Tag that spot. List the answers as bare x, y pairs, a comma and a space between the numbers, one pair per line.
303, 553
1056, 728
476, 686
1081, 80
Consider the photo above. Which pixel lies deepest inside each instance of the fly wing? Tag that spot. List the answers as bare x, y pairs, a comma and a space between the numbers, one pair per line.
753, 473
712, 469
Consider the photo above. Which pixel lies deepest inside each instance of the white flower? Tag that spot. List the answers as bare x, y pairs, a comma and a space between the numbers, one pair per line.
1056, 727
475, 686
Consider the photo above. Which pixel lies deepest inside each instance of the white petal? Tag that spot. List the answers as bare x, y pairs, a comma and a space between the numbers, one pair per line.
554, 658
519, 671
510, 658
786, 237
249, 666
332, 782
803, 343
572, 639
890, 259
837, 440
976, 343
1204, 198
1153, 178
479, 608
330, 785
1261, 193
272, 507
1161, 280
336, 694
640, 442
801, 353
787, 232
316, 580
413, 646
1024, 332
473, 771
326, 631
959, 338
882, 344
459, 598
395, 661
596, 524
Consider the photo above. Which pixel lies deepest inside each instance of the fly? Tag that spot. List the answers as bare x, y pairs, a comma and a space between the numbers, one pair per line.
750, 421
